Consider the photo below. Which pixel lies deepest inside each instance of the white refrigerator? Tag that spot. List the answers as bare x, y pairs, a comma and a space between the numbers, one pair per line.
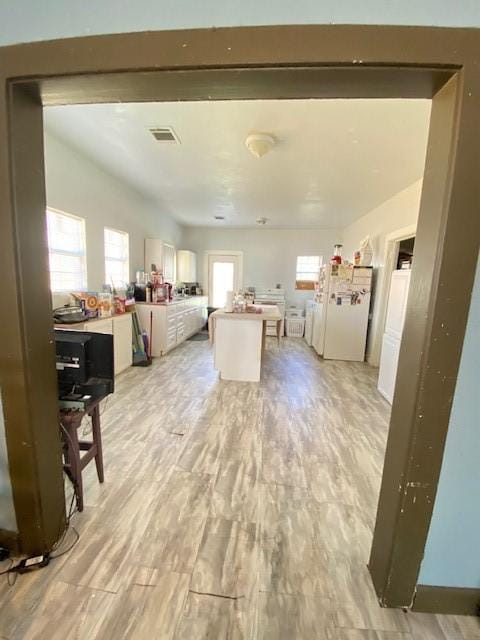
341, 312
395, 319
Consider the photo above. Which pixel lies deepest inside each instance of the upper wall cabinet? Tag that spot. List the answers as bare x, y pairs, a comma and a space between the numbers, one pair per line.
186, 266
162, 256
153, 254
169, 262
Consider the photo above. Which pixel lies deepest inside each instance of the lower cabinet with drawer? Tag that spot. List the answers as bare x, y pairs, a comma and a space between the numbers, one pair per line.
122, 342
120, 326
169, 325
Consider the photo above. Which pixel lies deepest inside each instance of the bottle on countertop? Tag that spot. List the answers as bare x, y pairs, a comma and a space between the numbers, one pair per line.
148, 292
337, 254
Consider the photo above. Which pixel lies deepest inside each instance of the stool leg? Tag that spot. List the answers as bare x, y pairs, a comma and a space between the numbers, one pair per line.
97, 438
74, 461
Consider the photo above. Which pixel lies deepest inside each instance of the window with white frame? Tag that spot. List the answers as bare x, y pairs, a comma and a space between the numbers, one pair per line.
308, 270
117, 267
66, 251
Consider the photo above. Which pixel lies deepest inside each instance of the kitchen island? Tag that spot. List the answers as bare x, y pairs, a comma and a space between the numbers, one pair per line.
238, 341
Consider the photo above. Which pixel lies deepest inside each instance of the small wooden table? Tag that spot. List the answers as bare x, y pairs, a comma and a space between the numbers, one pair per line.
74, 463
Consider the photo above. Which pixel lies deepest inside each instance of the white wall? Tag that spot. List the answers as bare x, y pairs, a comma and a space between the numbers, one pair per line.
396, 213
76, 185
269, 254
25, 20
401, 210
451, 555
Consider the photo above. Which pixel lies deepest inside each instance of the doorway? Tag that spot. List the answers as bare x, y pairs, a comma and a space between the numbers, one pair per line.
387, 265
395, 318
261, 66
406, 250
224, 271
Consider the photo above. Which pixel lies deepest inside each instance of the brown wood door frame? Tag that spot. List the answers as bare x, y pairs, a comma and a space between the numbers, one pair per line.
252, 63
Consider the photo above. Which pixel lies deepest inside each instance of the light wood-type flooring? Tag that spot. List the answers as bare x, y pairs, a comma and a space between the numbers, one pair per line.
230, 511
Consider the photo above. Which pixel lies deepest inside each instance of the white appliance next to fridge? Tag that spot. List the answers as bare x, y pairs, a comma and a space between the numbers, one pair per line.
340, 317
309, 311
275, 297
396, 308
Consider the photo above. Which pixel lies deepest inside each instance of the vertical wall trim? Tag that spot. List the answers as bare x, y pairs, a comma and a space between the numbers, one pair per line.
31, 412
446, 244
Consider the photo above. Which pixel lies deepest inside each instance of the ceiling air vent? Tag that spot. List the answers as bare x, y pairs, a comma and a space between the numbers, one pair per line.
164, 134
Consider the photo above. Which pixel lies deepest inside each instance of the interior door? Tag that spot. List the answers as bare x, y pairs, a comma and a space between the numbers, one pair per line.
223, 275
397, 302
388, 366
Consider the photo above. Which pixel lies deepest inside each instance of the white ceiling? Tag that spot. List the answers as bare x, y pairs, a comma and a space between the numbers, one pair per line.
334, 160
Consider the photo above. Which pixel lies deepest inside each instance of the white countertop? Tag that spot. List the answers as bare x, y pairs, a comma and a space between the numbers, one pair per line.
269, 312
168, 304
72, 325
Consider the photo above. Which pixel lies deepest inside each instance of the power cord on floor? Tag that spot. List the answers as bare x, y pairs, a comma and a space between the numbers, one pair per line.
62, 553
38, 562
2, 573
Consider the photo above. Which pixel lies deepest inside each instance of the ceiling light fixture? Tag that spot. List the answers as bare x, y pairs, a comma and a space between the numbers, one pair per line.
259, 143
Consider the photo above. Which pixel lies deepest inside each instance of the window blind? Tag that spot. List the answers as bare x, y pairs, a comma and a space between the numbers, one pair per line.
117, 267
308, 270
67, 251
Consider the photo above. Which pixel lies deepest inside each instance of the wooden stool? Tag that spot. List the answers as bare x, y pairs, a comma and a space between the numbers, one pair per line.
74, 464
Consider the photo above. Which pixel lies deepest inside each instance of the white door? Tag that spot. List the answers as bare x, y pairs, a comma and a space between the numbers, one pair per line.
397, 306
397, 302
223, 275
388, 366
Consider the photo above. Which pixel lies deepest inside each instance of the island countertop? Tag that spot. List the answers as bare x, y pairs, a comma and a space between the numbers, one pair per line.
269, 312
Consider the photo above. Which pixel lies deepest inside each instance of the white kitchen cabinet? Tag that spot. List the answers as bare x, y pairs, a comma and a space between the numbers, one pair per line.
162, 255
120, 326
153, 254
100, 325
169, 325
192, 324
169, 262
122, 342
186, 266
196, 318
